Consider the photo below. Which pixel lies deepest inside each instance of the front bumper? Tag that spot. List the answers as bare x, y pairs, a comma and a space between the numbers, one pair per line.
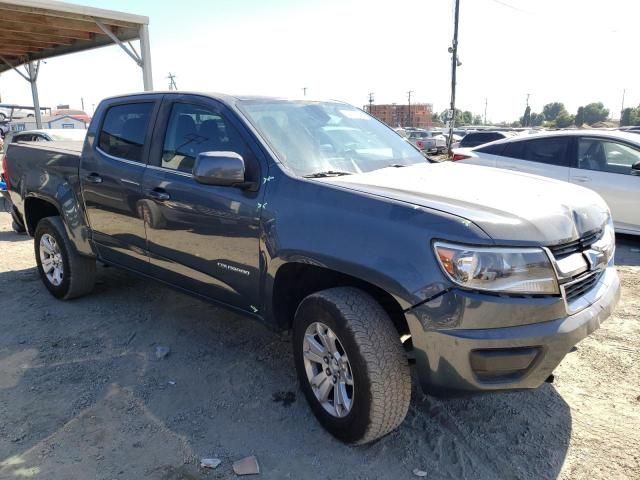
514, 357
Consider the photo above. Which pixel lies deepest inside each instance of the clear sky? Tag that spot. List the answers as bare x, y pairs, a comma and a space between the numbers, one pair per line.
573, 51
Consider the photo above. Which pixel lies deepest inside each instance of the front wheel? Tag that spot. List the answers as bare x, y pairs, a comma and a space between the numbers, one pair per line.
64, 272
351, 364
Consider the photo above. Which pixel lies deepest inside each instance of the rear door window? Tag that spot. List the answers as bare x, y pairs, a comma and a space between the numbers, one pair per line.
551, 150
493, 149
124, 130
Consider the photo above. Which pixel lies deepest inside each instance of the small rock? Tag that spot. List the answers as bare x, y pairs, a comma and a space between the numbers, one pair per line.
162, 352
419, 473
210, 462
246, 466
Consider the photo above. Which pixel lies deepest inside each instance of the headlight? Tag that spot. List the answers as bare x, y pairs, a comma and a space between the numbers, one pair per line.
508, 270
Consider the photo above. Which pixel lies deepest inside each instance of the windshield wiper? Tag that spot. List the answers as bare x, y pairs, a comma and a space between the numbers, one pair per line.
327, 173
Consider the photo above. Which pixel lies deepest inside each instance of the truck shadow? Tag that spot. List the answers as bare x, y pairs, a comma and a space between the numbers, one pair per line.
627, 250
85, 375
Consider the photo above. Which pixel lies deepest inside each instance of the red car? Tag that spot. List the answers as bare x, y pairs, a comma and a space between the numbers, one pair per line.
78, 114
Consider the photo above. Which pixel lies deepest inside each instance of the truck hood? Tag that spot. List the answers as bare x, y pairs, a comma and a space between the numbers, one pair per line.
511, 207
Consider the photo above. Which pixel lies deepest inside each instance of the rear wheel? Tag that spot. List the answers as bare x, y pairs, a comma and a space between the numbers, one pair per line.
351, 365
64, 272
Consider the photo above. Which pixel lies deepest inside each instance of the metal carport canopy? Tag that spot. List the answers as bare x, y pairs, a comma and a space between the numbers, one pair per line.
34, 30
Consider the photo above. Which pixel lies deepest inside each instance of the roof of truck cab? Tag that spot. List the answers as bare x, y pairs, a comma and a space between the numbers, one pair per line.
225, 97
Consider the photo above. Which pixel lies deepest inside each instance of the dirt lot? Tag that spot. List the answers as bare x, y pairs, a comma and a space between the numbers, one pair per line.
82, 395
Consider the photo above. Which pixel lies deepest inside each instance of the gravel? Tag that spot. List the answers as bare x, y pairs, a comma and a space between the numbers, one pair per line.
82, 395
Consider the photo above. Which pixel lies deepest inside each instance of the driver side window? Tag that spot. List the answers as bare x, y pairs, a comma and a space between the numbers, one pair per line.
193, 129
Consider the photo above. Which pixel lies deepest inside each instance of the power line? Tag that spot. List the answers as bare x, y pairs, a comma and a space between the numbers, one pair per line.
485, 110
172, 82
454, 63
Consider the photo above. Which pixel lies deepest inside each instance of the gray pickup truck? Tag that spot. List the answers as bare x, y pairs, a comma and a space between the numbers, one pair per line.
316, 218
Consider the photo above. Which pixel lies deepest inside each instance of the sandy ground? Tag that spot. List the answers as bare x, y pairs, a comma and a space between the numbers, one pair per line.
82, 395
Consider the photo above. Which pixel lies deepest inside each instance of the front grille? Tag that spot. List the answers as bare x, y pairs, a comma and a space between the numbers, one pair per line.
581, 286
584, 242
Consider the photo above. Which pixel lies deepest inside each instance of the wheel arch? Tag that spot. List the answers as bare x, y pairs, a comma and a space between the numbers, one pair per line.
38, 206
293, 281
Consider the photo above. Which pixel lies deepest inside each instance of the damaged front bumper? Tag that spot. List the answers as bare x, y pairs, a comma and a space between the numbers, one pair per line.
459, 344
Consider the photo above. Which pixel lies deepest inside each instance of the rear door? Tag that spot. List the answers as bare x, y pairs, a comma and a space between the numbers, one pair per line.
604, 165
113, 163
204, 238
547, 156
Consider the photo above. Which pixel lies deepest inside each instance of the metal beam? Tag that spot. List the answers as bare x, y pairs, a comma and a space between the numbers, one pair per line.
132, 53
34, 68
145, 52
5, 60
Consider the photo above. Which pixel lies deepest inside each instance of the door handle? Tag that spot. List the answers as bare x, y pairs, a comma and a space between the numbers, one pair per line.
94, 178
581, 179
159, 194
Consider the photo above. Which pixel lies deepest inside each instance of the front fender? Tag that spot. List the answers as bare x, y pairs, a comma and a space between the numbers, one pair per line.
381, 241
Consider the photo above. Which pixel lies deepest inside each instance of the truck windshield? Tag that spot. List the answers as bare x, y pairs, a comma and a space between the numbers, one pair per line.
315, 137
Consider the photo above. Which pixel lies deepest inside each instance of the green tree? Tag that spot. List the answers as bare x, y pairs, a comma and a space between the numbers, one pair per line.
594, 113
625, 119
477, 120
552, 110
580, 117
563, 120
537, 119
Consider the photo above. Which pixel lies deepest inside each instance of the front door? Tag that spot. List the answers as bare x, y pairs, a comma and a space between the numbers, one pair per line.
201, 237
111, 171
604, 165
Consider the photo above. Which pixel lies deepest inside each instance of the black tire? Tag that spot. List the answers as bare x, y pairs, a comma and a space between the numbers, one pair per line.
17, 224
78, 271
380, 371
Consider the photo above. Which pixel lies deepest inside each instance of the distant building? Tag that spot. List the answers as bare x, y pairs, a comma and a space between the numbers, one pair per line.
61, 121
398, 115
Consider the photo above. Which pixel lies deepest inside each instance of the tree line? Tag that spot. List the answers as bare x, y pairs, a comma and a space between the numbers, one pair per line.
553, 115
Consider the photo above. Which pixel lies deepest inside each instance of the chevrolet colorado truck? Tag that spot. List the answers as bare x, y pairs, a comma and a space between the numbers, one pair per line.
316, 218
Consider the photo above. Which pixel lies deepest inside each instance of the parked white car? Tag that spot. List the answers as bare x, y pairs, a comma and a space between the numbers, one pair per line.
427, 140
605, 161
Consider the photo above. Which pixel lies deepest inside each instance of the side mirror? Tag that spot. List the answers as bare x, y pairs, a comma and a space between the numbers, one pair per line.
225, 169
635, 169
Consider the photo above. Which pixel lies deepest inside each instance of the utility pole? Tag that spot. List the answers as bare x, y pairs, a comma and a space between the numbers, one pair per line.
172, 82
82, 103
454, 63
485, 110
409, 106
622, 107
528, 95
304, 91
370, 101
